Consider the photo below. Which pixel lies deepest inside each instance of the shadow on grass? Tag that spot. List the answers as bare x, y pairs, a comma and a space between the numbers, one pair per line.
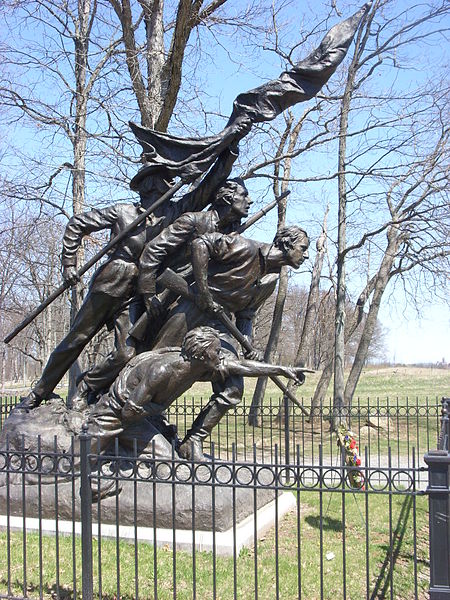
62, 592
328, 523
53, 591
385, 579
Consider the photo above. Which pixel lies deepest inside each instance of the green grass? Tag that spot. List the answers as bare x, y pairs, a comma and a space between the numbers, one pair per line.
289, 557
375, 382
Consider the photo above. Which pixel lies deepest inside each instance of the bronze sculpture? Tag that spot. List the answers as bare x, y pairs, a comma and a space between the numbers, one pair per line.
153, 380
236, 274
111, 295
232, 273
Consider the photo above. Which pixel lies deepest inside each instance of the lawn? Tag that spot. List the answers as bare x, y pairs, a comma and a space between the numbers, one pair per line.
301, 549
317, 559
375, 382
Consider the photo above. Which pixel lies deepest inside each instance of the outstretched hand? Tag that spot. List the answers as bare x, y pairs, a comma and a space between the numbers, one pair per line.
299, 376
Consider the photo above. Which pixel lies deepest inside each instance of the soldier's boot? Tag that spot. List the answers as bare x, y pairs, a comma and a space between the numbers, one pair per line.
80, 400
29, 402
191, 447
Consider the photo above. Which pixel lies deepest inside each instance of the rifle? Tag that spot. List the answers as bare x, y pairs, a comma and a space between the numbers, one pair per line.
139, 328
261, 213
113, 242
177, 284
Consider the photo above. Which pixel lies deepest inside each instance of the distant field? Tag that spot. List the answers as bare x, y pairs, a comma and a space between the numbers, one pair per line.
375, 382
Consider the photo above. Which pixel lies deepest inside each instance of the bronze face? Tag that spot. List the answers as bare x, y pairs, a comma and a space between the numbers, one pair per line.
298, 253
241, 202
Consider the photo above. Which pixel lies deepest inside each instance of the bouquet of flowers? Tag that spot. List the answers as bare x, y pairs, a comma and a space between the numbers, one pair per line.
346, 440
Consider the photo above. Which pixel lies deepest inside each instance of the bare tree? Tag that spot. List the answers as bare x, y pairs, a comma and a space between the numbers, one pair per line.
365, 62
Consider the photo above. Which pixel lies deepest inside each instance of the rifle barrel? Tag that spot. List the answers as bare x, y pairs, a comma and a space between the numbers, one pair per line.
252, 220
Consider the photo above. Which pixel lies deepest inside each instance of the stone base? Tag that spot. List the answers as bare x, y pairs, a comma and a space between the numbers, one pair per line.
204, 540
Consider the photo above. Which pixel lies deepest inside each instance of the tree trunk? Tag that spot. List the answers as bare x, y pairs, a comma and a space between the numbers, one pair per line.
382, 279
79, 142
340, 412
272, 344
271, 348
312, 302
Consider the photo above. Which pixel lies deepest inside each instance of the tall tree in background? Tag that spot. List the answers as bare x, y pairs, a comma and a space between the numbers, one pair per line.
107, 61
363, 162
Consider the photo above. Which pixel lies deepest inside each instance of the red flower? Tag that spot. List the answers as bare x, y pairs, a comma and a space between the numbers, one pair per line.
358, 462
352, 444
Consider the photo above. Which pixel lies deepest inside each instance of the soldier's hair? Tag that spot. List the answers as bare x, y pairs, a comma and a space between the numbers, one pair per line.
197, 341
286, 237
223, 196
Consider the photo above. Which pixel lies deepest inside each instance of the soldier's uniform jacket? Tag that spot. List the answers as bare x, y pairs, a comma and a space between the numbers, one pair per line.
237, 271
172, 246
118, 275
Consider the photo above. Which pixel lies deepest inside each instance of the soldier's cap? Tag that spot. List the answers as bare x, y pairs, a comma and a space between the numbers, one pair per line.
150, 171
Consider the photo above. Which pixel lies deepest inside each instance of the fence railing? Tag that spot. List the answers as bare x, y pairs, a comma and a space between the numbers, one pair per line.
247, 525
381, 423
192, 528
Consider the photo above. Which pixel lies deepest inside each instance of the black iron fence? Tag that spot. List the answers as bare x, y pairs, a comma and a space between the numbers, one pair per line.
244, 525
381, 423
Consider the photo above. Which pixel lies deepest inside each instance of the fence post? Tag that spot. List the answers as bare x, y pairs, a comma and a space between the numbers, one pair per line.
438, 490
287, 441
87, 582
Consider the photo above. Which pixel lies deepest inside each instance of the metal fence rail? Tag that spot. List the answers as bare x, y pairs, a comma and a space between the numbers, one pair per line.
381, 423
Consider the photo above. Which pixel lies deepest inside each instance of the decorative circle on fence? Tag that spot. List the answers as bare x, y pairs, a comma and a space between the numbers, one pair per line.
126, 469
223, 474
64, 465
332, 479
105, 467
309, 478
402, 481
47, 465
265, 476
378, 480
183, 472
245, 475
31, 463
16, 462
145, 469
287, 477
164, 471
